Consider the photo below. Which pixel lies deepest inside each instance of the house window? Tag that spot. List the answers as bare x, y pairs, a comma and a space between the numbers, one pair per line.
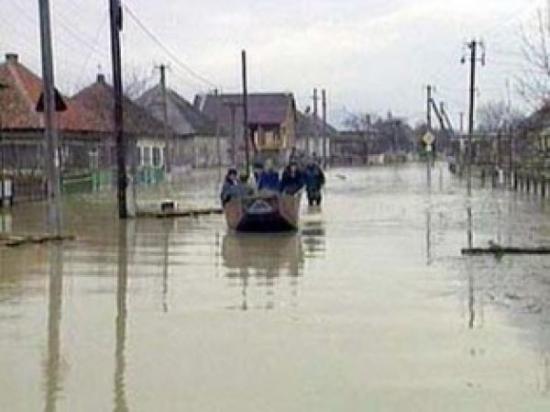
157, 157
146, 156
139, 156
93, 157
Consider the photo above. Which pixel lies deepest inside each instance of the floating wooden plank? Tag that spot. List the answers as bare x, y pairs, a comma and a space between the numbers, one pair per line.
181, 213
12, 240
507, 251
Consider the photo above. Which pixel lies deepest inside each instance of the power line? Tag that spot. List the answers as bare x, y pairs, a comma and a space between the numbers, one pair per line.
166, 49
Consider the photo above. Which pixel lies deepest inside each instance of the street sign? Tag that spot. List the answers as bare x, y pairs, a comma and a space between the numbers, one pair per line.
428, 139
429, 148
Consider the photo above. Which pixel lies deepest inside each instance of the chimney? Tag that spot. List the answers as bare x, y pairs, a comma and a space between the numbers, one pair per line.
12, 58
101, 78
197, 102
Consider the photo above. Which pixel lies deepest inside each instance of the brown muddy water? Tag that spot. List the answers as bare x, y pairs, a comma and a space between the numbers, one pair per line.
370, 307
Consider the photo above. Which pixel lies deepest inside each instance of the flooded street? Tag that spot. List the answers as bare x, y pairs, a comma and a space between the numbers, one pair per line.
370, 307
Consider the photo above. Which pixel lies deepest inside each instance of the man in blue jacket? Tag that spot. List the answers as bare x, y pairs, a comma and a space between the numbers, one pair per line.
269, 178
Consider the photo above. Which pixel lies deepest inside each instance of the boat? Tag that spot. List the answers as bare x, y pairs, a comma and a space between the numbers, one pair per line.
264, 212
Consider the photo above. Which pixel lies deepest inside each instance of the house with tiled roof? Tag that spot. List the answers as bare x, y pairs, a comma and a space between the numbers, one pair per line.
22, 126
144, 132
271, 121
198, 140
85, 127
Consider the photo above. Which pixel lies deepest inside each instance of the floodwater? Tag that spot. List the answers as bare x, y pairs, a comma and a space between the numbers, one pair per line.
370, 307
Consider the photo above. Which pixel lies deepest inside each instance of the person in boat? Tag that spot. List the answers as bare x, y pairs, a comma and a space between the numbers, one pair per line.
244, 189
292, 180
235, 185
229, 188
269, 179
258, 171
314, 180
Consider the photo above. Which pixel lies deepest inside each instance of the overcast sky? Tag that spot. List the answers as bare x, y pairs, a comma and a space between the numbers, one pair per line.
370, 55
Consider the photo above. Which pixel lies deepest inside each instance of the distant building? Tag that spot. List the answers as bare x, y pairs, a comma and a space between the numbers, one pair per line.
351, 147
309, 134
198, 141
271, 122
532, 141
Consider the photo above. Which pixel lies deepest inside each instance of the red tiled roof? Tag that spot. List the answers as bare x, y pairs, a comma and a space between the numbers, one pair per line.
18, 101
98, 99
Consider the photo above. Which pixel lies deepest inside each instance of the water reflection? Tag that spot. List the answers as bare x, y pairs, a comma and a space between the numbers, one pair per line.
469, 227
429, 236
52, 368
264, 258
314, 237
167, 227
120, 402
5, 221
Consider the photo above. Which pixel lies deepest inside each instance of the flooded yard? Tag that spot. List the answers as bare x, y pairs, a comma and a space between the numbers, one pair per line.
370, 307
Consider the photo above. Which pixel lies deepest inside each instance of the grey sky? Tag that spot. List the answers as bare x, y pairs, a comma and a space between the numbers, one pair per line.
371, 55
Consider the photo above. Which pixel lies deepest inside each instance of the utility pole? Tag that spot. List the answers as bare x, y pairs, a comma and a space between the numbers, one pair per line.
233, 111
473, 45
121, 144
324, 130
447, 119
429, 107
2, 164
50, 126
429, 126
167, 142
508, 129
245, 114
315, 117
461, 122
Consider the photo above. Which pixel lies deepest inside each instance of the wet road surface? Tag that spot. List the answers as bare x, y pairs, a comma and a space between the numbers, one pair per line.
370, 307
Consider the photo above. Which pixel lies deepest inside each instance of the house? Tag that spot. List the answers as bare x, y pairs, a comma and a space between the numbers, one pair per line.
144, 132
22, 132
309, 134
271, 122
350, 148
197, 139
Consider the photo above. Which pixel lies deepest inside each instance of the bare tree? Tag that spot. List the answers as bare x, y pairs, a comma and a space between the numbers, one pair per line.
494, 116
359, 122
137, 81
534, 83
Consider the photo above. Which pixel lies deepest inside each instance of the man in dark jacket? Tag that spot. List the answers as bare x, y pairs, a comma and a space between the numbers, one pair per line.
315, 180
292, 180
229, 188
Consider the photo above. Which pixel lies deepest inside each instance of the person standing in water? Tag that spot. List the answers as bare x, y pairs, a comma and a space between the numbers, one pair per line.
314, 180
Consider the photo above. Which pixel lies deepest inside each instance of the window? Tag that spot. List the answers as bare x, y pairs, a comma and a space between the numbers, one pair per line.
93, 156
157, 159
146, 155
139, 157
